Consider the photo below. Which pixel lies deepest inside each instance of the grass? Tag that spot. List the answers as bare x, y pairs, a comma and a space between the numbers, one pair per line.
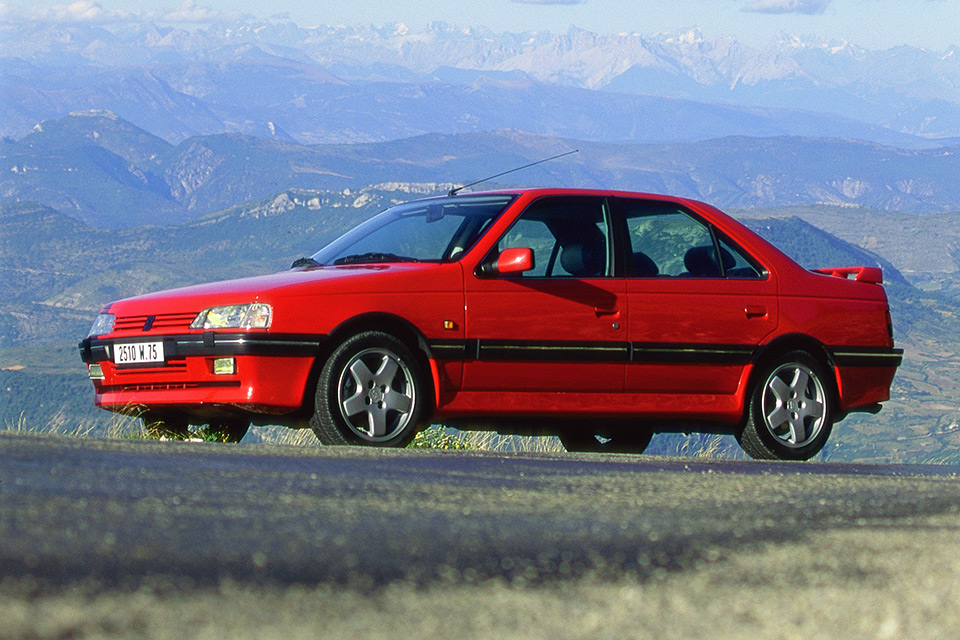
942, 457
281, 435
440, 437
704, 447
435, 436
118, 427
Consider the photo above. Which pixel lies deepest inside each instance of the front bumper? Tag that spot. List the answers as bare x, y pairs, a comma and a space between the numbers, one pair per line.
269, 377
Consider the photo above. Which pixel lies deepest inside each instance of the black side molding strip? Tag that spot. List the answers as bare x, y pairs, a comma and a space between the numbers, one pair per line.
639, 352
866, 356
692, 353
570, 351
211, 343
522, 351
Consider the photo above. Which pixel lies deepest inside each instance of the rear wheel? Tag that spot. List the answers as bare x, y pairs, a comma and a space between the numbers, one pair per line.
790, 414
371, 392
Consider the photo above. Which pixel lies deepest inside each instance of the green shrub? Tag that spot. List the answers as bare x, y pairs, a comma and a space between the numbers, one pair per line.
437, 437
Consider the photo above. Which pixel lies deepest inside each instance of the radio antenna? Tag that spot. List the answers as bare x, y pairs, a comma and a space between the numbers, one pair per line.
454, 191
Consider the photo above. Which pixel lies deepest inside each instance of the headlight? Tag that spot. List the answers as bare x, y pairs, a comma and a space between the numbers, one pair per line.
234, 316
102, 325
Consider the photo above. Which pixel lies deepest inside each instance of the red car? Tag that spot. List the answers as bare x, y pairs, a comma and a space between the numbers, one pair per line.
602, 317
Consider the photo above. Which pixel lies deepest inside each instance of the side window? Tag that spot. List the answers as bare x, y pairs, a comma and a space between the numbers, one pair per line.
666, 241
569, 237
533, 234
737, 265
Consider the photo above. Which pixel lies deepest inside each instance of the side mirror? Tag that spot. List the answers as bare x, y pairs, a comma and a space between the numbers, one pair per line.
514, 261
507, 262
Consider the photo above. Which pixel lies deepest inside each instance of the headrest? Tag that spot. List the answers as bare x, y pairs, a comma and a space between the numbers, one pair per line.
580, 261
701, 261
644, 266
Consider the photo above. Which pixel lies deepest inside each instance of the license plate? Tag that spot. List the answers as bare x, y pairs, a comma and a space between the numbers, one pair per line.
138, 352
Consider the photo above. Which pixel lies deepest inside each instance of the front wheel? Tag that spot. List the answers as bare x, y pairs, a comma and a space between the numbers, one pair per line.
371, 392
790, 413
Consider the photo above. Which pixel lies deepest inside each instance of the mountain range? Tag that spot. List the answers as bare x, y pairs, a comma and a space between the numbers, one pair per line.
355, 84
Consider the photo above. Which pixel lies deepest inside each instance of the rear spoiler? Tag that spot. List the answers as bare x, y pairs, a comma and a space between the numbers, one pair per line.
872, 275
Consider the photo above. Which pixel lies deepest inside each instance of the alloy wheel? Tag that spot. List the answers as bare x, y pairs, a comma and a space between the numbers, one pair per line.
376, 394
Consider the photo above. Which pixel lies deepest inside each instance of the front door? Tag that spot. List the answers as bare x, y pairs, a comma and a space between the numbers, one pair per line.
559, 328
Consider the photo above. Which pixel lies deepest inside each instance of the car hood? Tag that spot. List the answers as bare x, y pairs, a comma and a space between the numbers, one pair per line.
386, 278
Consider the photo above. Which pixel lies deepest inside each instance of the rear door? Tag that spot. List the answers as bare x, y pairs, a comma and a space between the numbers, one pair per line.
699, 304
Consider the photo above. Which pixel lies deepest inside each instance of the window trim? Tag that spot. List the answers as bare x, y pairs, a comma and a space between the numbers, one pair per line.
762, 272
611, 261
626, 248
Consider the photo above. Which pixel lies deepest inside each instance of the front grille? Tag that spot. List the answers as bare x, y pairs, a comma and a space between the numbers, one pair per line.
177, 366
160, 323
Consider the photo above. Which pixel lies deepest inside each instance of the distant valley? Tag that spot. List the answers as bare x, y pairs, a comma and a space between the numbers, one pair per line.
58, 271
101, 169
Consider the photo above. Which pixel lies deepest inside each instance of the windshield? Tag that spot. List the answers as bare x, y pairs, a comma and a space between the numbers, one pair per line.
435, 230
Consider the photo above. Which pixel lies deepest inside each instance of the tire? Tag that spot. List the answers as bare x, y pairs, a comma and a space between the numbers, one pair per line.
371, 392
225, 431
160, 427
582, 440
790, 412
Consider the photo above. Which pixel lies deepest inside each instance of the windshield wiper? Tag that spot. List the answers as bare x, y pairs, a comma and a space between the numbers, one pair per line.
305, 262
373, 256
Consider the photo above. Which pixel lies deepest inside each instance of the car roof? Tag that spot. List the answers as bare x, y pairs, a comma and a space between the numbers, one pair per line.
539, 192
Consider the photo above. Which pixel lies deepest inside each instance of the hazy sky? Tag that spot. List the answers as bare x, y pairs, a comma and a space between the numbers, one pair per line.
934, 24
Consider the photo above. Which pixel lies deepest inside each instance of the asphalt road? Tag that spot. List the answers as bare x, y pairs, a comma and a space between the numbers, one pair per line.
122, 539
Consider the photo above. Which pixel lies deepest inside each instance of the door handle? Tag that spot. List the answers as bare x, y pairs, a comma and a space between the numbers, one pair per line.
755, 311
607, 312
